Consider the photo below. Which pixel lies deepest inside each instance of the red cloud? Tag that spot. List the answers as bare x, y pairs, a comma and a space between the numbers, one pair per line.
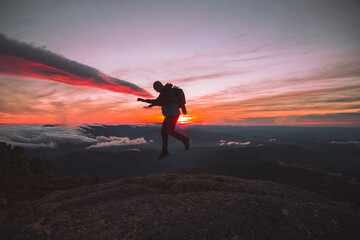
10, 65
18, 58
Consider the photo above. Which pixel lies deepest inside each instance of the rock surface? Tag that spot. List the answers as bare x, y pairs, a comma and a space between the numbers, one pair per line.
181, 206
313, 178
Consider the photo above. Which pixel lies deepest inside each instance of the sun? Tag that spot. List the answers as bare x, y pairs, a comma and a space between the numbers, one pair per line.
184, 119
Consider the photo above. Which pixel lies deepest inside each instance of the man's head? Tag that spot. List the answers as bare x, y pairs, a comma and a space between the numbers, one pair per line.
158, 86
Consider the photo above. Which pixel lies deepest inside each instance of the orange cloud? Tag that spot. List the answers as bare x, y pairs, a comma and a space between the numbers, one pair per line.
283, 106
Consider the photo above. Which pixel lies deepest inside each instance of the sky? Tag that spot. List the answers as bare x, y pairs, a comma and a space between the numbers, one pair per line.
248, 62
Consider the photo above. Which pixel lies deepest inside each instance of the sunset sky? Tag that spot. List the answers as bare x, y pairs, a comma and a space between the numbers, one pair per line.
240, 62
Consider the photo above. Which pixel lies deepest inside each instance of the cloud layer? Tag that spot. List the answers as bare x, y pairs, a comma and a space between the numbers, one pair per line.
37, 136
18, 58
116, 141
235, 143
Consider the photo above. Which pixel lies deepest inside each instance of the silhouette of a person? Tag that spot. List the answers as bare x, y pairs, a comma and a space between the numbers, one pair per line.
170, 109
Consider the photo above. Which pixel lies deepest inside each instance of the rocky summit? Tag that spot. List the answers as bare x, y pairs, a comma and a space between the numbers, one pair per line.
181, 206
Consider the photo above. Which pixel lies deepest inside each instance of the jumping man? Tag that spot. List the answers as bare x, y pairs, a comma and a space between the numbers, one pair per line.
170, 109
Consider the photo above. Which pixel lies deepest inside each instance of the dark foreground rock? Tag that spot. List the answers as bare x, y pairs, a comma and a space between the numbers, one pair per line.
180, 206
313, 178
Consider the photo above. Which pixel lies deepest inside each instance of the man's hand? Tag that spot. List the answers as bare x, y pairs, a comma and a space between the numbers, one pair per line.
140, 100
150, 106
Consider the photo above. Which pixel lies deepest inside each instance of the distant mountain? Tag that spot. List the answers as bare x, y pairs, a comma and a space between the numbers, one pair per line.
110, 164
143, 161
279, 163
181, 206
24, 178
277, 152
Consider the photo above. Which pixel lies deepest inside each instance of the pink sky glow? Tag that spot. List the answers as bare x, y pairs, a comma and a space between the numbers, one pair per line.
239, 62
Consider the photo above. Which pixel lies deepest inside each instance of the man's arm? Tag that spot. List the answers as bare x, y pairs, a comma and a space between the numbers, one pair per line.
165, 98
146, 100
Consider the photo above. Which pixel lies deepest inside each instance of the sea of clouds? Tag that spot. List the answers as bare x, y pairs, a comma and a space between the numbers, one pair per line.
235, 143
51, 136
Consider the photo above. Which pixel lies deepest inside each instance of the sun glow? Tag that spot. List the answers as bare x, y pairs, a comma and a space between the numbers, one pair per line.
184, 119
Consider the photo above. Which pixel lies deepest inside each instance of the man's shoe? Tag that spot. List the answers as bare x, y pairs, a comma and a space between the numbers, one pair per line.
163, 155
187, 143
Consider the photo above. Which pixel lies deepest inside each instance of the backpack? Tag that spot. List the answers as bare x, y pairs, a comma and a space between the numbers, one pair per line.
180, 97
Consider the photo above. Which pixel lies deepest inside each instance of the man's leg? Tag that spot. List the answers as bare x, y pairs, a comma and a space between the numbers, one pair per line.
177, 135
164, 136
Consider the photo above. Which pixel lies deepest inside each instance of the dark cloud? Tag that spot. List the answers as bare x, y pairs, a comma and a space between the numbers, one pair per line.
341, 76
346, 69
333, 119
344, 100
283, 98
337, 116
19, 58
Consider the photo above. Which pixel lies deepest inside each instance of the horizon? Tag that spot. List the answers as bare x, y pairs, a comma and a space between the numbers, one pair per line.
179, 124
263, 63
51, 141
